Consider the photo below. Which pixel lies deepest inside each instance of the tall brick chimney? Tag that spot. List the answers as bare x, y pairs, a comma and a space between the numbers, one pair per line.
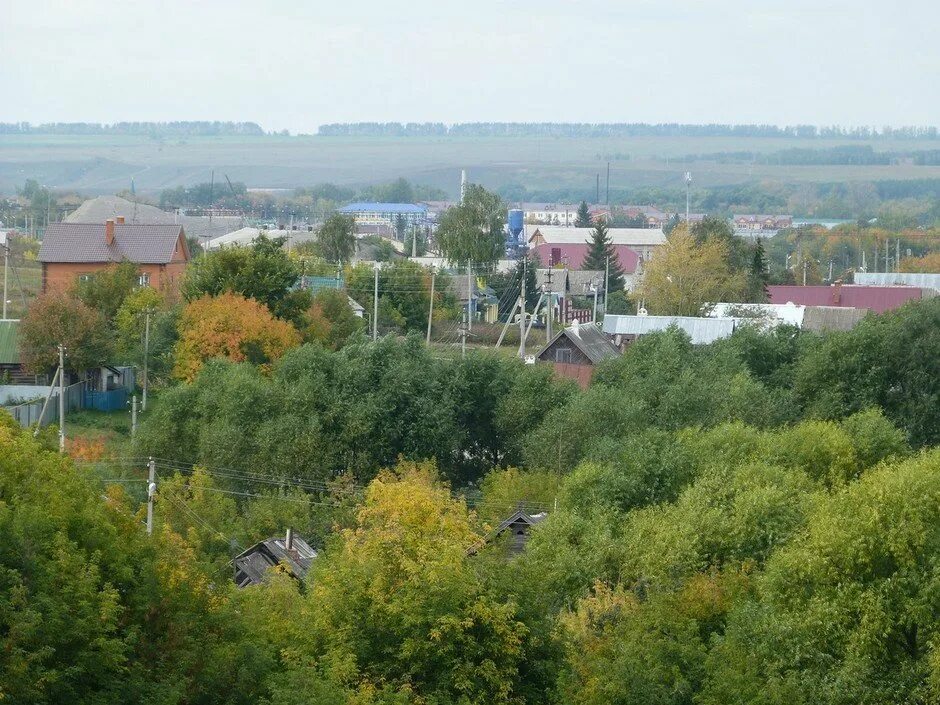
109, 231
119, 219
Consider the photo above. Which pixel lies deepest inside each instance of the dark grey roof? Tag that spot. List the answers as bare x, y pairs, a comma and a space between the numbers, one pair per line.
252, 564
589, 339
85, 242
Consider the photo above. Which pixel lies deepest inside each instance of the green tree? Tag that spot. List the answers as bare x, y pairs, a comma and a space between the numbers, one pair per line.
107, 289
473, 230
396, 604
583, 218
92, 609
601, 254
332, 321
847, 611
757, 275
262, 272
337, 238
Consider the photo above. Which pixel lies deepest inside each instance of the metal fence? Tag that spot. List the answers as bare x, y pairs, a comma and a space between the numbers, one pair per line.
29, 413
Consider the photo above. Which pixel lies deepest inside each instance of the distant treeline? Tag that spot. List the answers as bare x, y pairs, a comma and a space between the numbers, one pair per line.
850, 154
166, 129
562, 129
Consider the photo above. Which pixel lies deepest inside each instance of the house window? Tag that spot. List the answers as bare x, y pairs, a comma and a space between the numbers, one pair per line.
563, 355
143, 279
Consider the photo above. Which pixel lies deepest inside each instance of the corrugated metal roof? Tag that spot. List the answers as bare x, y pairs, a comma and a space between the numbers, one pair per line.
700, 330
365, 207
924, 280
878, 298
85, 242
9, 342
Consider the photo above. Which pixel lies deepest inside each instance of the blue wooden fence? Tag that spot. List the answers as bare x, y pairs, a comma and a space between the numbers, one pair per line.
112, 400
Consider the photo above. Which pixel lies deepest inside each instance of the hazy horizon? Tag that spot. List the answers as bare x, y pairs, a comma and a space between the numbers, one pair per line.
293, 66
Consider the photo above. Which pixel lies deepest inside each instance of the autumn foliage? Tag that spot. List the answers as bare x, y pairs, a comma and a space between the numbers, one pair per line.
232, 327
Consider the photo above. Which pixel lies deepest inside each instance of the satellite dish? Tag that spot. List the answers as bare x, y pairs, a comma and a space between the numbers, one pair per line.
641, 312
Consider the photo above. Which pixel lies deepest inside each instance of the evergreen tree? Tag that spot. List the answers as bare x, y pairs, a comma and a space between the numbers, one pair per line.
583, 219
757, 276
599, 250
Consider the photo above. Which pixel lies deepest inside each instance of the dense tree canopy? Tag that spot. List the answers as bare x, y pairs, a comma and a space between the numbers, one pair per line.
262, 272
472, 231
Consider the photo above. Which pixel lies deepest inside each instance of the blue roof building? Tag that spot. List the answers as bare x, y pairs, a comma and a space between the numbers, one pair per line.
387, 214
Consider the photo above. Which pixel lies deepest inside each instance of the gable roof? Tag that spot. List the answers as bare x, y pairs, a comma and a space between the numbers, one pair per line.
252, 564
85, 242
587, 338
519, 517
99, 209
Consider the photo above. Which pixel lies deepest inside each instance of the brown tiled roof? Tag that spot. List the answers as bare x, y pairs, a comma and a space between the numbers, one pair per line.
85, 242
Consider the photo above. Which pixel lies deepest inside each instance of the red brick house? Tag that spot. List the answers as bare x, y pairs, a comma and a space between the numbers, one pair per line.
71, 251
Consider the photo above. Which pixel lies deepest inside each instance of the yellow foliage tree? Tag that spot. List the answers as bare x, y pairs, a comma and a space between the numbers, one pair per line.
684, 275
928, 263
232, 327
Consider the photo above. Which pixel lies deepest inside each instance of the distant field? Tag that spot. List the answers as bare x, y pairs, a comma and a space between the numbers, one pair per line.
103, 164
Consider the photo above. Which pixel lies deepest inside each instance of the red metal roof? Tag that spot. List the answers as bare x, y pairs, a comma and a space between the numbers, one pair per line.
876, 298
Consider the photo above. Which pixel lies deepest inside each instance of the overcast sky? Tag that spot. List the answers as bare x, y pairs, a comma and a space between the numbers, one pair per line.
295, 64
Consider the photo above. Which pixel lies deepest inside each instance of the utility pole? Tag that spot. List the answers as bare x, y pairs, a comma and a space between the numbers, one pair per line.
887, 254
463, 338
522, 312
688, 191
804, 272
469, 298
607, 201
143, 406
431, 307
606, 283
61, 399
375, 306
414, 241
897, 262
6, 268
151, 491
594, 317
597, 189
133, 415
549, 309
